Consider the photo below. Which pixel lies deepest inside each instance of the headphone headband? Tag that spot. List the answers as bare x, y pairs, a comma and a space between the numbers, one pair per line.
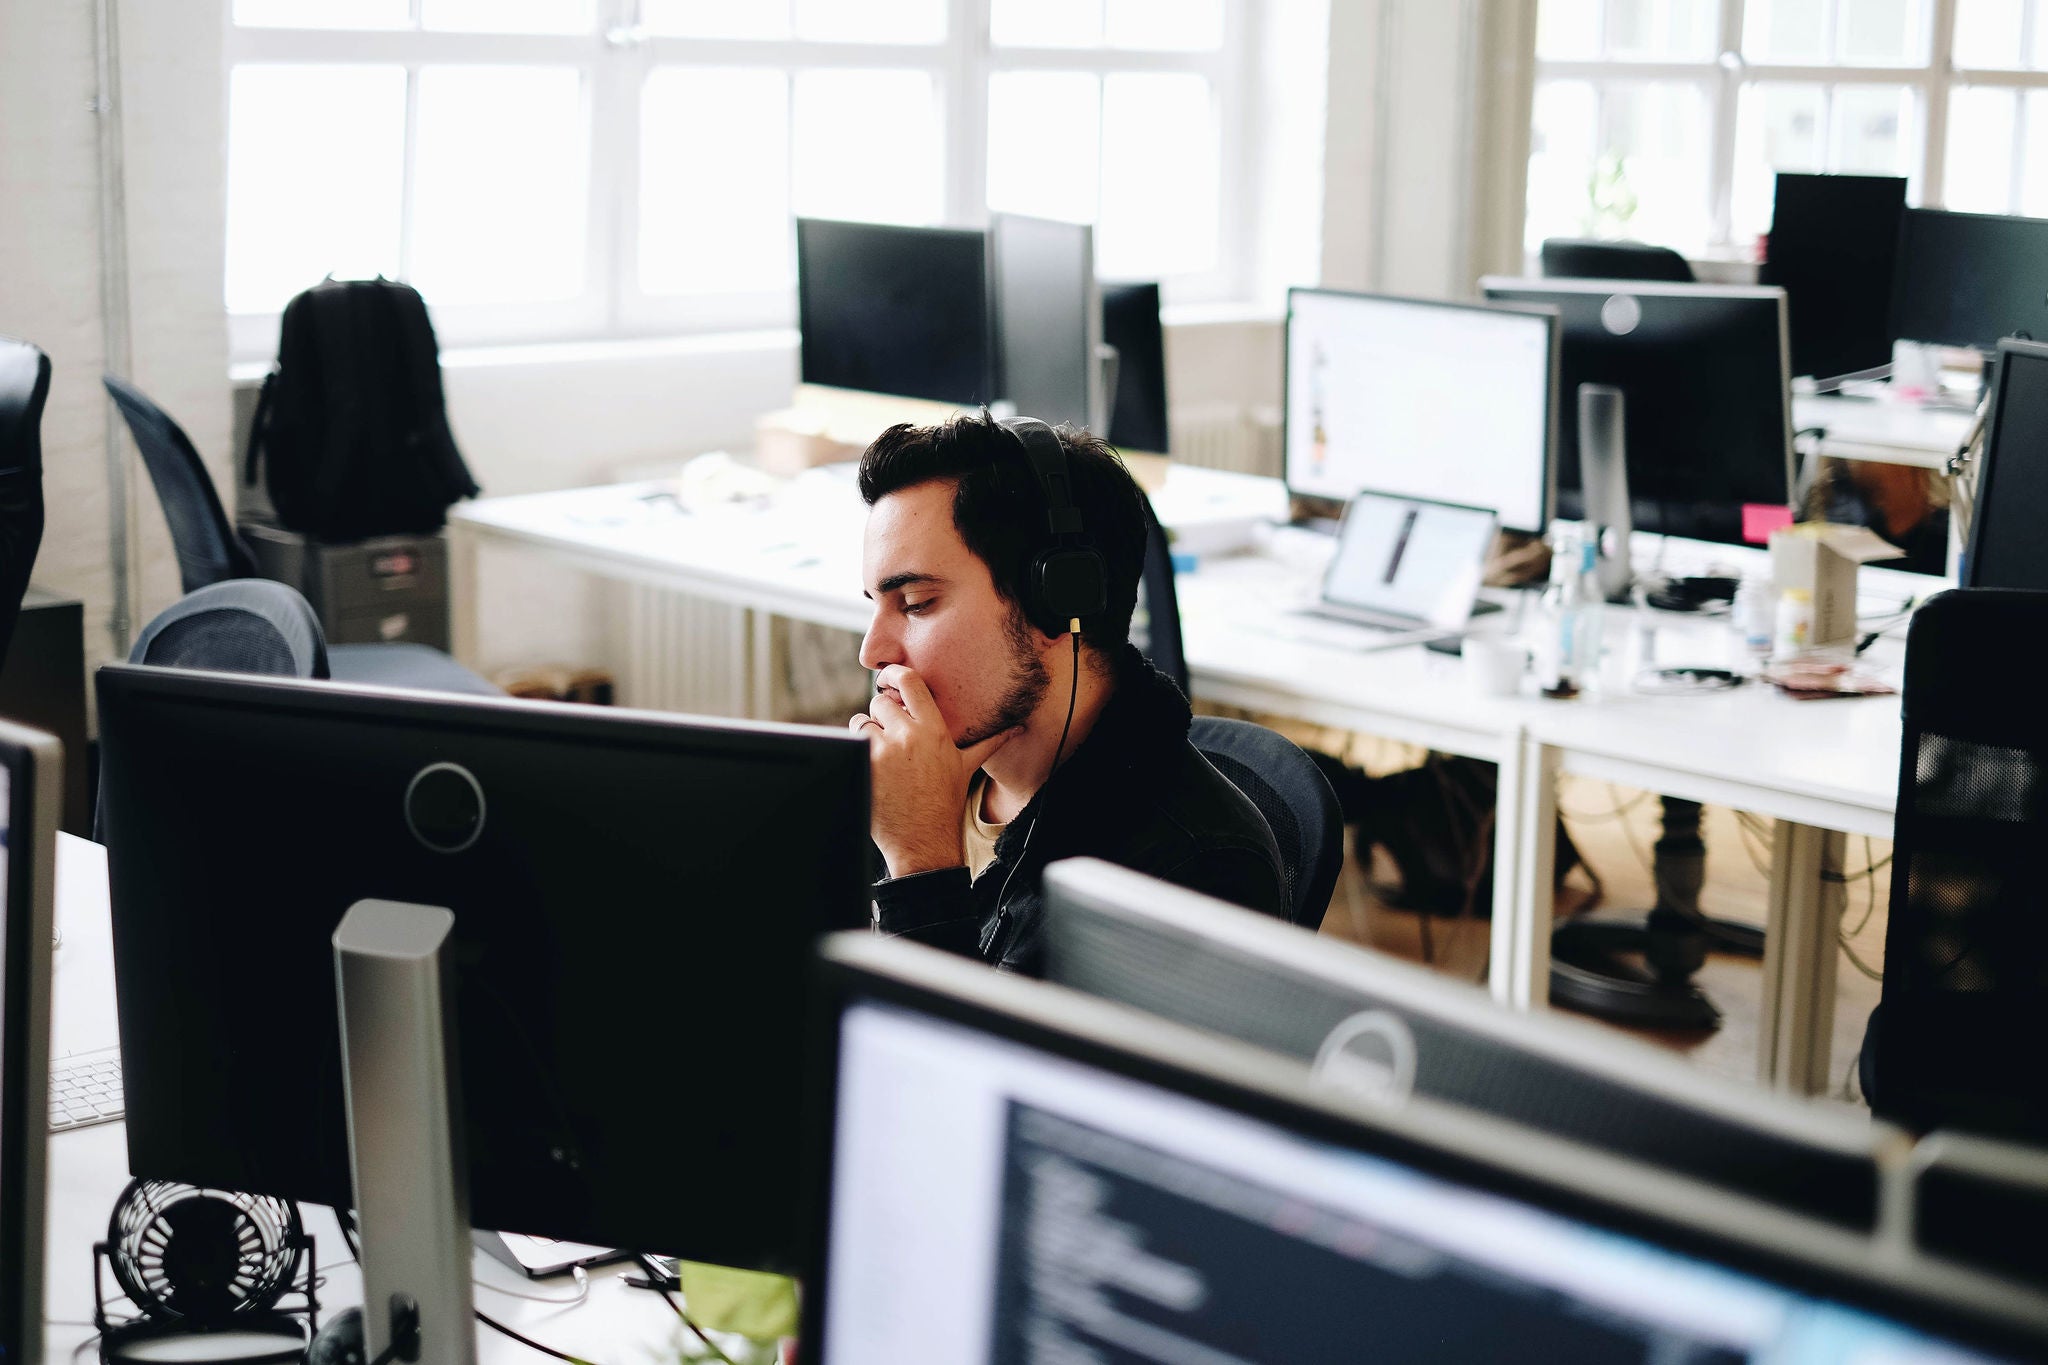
1068, 580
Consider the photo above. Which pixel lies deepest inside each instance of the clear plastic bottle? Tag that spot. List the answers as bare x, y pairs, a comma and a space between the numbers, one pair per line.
1753, 618
1571, 606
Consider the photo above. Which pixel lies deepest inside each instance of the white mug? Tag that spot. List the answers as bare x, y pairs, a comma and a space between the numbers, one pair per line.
1494, 665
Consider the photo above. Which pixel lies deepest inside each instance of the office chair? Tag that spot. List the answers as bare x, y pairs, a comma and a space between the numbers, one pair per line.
24, 388
242, 625
1293, 795
1580, 258
1966, 947
210, 551
1160, 641
208, 548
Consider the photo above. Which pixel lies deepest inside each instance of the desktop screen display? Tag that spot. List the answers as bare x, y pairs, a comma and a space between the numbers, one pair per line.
1448, 402
1130, 325
1968, 279
1833, 249
630, 926
1049, 318
1703, 375
895, 310
1407, 558
996, 1200
2006, 547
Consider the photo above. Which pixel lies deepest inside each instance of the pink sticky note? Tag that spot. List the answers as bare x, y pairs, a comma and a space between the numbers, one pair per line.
1759, 519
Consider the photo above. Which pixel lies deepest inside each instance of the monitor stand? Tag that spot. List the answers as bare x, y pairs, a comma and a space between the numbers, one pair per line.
394, 987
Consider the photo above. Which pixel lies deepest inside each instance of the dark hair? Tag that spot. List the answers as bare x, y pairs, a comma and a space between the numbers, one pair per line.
999, 505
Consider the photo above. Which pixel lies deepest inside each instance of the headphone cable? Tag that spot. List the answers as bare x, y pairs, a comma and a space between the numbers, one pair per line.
1073, 694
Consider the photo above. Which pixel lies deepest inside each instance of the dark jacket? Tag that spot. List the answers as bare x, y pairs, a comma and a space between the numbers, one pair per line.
1135, 793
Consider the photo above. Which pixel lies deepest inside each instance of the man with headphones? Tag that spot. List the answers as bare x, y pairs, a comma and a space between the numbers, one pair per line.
1013, 722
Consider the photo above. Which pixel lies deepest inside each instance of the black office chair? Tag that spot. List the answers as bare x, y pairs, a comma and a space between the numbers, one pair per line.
208, 548
243, 625
1293, 795
1966, 947
24, 388
1160, 639
1580, 258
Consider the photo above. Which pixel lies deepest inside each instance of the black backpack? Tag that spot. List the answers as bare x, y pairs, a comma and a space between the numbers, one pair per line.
351, 431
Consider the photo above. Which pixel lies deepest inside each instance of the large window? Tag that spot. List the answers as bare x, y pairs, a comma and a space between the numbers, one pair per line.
1666, 119
562, 168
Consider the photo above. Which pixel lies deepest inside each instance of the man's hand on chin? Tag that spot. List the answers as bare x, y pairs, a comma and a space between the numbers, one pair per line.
919, 778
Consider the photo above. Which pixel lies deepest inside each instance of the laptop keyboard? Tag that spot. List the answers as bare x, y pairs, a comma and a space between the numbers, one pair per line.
86, 1089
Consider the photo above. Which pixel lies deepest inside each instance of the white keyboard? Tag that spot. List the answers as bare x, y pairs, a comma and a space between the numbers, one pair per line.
86, 1089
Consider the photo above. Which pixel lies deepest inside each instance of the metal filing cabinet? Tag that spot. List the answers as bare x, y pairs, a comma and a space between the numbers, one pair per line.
385, 589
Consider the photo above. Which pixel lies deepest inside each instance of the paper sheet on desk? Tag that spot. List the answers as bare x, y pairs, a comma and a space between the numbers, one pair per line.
749, 1303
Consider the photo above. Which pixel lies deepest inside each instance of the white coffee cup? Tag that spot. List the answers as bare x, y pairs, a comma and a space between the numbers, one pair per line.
1495, 666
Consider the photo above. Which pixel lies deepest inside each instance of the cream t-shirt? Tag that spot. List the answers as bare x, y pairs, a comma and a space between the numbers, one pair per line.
977, 835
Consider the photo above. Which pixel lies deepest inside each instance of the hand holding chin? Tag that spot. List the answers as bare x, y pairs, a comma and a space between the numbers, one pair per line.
919, 777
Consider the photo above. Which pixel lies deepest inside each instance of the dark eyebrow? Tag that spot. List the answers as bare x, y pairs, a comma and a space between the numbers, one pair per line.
898, 582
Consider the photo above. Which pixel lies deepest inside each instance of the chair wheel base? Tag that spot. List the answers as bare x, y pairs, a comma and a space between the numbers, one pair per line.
1626, 997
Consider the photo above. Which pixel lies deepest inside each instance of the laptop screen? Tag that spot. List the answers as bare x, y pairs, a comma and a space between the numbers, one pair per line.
1409, 559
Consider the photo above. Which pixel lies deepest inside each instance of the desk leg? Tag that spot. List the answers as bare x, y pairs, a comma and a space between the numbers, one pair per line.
1524, 866
760, 663
462, 593
1800, 946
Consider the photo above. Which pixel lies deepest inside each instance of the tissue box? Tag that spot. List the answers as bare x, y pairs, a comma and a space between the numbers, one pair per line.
1822, 558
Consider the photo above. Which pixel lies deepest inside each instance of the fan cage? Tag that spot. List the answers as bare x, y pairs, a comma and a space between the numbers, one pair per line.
270, 1247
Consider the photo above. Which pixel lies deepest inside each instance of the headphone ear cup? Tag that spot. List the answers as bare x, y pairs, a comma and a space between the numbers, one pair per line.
1066, 584
340, 1342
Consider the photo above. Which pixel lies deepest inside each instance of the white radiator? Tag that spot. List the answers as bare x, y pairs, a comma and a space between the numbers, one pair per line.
1228, 436
684, 653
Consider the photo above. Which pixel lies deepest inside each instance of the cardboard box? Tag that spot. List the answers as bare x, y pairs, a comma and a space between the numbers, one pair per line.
1822, 558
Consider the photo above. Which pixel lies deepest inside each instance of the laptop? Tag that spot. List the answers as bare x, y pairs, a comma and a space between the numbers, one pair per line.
1405, 569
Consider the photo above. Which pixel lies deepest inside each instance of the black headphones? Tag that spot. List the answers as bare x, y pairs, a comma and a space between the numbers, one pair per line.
1067, 580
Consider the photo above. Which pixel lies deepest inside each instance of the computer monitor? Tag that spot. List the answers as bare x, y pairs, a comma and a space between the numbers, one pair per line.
1449, 402
2006, 549
1982, 1203
1366, 1022
1833, 249
1705, 387
1014, 1173
895, 310
1048, 318
635, 897
31, 804
1130, 324
1968, 279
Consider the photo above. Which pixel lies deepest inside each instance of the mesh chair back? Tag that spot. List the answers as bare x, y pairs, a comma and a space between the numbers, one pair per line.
1293, 795
1160, 639
205, 541
1966, 948
24, 388
1575, 258
245, 625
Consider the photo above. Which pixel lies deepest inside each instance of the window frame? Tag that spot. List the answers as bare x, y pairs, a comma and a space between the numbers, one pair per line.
1723, 78
615, 58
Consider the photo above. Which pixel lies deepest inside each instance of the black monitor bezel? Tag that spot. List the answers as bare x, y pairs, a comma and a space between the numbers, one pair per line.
1330, 509
1903, 270
34, 764
1984, 505
858, 968
991, 358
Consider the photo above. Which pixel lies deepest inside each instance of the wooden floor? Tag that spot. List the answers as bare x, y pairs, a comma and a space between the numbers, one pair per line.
1614, 829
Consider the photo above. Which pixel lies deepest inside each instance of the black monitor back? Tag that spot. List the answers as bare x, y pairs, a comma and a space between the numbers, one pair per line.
1363, 1021
1702, 369
1137, 410
630, 920
1968, 279
1834, 251
2006, 548
31, 804
1048, 316
895, 310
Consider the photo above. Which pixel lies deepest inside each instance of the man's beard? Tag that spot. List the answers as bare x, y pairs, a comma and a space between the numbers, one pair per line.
1029, 682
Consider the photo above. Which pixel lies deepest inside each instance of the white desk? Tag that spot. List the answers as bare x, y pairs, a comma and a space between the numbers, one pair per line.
89, 1168
1813, 766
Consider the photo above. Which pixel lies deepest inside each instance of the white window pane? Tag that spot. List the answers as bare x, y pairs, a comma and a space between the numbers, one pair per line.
1881, 33
2034, 173
509, 16
499, 198
1176, 25
1568, 30
1044, 143
1561, 151
716, 18
316, 164
1650, 179
867, 145
1045, 23
1777, 128
1785, 31
1160, 173
323, 13
1980, 134
1649, 30
714, 211
1988, 33
1872, 130
871, 21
